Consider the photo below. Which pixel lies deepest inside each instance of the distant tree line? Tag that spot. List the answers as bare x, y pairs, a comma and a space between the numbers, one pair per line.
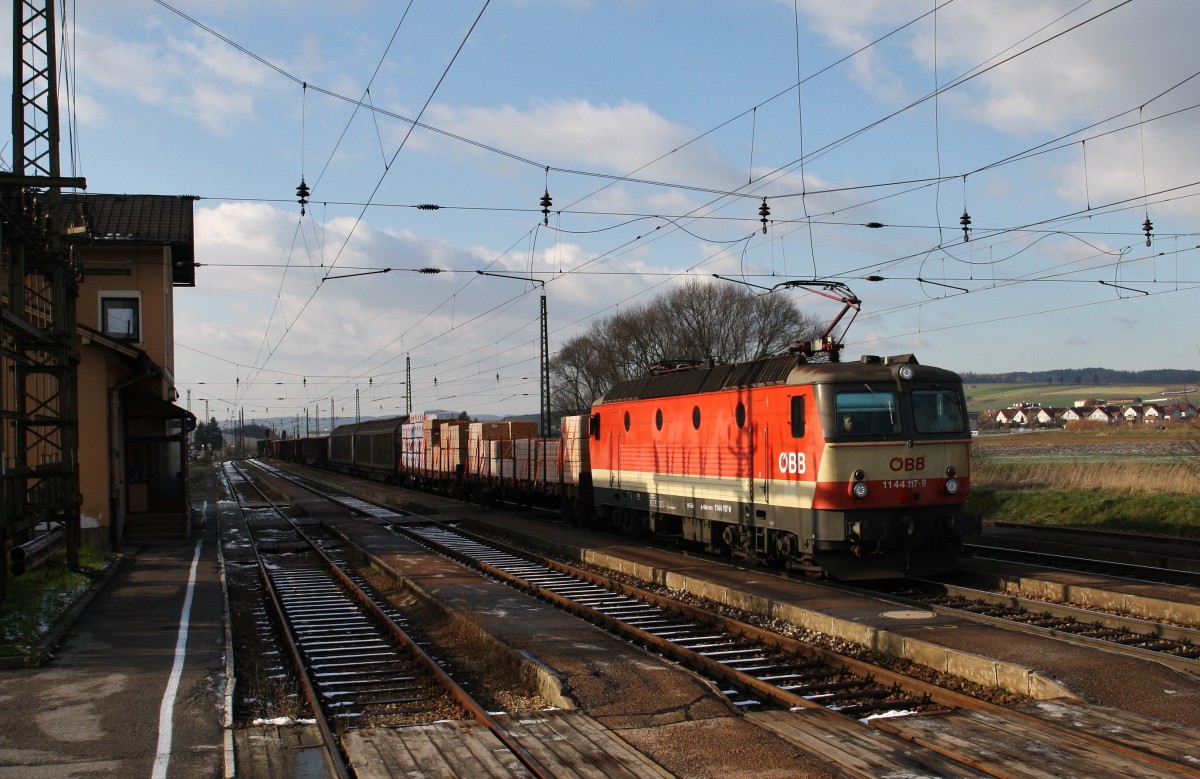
697, 321
1163, 376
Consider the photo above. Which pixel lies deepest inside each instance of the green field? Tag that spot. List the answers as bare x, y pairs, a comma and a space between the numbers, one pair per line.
982, 397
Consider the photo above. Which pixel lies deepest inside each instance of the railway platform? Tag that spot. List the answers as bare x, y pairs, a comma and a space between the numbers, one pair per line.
135, 685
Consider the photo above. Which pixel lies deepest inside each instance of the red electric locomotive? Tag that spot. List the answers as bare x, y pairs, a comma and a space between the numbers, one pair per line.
856, 470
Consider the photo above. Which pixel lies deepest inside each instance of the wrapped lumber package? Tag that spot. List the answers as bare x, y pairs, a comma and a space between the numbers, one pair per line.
479, 459
574, 437
452, 439
501, 455
522, 456
547, 461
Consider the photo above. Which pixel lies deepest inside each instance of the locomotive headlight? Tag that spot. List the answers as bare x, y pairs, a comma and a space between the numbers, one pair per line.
859, 474
907, 372
859, 489
952, 486
950, 472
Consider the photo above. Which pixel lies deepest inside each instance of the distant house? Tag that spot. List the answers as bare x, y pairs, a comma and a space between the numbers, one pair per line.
1074, 414
1132, 414
1008, 416
1178, 412
1106, 414
1047, 416
1152, 413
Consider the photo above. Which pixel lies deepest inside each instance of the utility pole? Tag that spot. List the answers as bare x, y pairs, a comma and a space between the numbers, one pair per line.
544, 357
39, 351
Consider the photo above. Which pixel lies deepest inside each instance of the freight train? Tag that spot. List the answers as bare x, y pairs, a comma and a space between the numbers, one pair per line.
855, 470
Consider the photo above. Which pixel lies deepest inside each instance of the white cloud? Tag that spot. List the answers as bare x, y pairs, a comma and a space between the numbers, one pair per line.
620, 139
197, 77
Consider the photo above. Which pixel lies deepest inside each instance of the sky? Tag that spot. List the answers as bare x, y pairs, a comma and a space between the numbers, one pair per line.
657, 129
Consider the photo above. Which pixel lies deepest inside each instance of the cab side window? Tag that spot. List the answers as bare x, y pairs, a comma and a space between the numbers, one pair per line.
798, 416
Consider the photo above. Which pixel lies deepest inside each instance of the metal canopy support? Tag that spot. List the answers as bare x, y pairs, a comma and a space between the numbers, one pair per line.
38, 341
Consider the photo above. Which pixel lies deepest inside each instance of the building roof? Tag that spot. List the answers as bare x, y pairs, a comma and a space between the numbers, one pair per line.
155, 220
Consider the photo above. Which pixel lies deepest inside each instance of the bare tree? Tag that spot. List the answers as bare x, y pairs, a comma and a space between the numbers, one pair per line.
697, 320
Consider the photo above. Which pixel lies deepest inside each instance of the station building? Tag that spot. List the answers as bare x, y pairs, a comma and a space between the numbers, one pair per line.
133, 438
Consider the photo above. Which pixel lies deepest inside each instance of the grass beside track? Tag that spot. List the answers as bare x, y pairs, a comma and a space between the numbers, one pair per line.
1136, 479
1168, 515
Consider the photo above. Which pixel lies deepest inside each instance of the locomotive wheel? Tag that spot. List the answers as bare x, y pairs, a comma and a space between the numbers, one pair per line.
786, 546
736, 539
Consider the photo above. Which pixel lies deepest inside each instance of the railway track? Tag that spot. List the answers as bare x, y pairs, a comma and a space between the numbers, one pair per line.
1174, 646
356, 664
751, 666
953, 736
1153, 559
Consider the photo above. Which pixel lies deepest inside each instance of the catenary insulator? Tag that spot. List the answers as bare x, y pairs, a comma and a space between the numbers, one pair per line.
965, 221
764, 211
1147, 227
302, 193
546, 203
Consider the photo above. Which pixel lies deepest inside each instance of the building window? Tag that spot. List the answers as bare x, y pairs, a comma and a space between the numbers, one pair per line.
120, 318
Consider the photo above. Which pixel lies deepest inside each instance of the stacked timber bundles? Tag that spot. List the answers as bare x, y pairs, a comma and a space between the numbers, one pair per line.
546, 465
484, 458
451, 446
574, 433
501, 460
431, 441
486, 451
521, 459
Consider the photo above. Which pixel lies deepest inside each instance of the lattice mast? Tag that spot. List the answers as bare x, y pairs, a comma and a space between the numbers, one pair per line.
38, 382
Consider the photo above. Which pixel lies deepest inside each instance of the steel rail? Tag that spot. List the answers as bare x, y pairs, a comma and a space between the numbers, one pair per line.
1140, 571
332, 746
1141, 627
457, 693
718, 670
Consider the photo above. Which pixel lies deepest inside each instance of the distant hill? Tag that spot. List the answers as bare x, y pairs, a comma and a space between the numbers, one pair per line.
1087, 376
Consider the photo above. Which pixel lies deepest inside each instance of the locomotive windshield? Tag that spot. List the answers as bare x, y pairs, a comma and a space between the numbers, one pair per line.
874, 412
937, 411
878, 412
